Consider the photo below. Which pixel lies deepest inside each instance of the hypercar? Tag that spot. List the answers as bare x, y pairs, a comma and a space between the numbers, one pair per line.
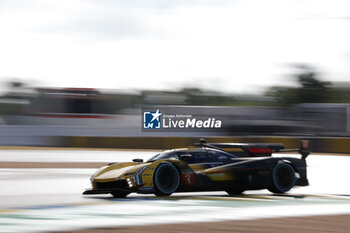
230, 167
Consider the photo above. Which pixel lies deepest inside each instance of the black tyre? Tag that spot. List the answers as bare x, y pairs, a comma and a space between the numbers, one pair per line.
166, 179
283, 178
119, 194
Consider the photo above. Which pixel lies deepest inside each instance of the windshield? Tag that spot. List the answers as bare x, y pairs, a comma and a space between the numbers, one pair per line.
163, 155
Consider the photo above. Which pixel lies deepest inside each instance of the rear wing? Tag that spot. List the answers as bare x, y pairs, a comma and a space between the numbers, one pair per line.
256, 149
251, 149
304, 149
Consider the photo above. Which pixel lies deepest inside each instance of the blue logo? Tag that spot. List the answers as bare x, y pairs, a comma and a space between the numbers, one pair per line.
151, 120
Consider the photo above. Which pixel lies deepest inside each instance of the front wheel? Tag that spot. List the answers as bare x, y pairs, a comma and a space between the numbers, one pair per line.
166, 179
283, 178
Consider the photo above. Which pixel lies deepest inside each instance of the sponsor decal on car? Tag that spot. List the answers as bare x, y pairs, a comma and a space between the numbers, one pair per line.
148, 189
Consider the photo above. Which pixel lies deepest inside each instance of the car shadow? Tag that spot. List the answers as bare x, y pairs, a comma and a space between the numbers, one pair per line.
150, 197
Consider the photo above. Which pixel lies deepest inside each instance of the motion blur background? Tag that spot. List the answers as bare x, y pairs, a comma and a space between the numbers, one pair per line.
78, 73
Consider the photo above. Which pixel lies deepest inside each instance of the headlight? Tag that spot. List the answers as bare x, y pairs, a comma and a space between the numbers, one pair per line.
129, 182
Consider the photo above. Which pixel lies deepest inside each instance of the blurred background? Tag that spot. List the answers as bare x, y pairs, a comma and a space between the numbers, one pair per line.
75, 76
78, 73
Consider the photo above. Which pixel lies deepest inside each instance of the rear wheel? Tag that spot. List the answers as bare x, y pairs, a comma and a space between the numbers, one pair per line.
283, 178
166, 179
119, 194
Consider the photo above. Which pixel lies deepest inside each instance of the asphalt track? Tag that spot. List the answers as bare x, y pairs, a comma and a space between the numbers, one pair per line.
49, 199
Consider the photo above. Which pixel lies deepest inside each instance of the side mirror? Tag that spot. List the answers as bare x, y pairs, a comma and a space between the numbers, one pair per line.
137, 160
185, 157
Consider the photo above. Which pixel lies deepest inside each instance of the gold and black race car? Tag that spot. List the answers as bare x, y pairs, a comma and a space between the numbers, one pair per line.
206, 167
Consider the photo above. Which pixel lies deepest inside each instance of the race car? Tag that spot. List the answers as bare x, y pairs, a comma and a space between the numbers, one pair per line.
205, 167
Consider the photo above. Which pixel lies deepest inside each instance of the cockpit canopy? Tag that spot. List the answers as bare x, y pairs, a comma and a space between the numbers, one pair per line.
198, 155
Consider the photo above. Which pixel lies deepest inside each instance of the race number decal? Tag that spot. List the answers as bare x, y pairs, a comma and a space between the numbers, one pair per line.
187, 179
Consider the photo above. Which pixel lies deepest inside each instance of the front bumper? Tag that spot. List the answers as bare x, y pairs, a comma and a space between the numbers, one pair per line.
106, 191
109, 187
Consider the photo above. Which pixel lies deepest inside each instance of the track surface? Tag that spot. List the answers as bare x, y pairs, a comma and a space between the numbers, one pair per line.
49, 199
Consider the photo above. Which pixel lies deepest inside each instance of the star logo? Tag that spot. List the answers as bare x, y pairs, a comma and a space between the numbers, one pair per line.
152, 120
156, 115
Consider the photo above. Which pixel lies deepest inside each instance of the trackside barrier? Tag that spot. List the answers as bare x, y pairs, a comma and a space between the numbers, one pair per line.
321, 145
